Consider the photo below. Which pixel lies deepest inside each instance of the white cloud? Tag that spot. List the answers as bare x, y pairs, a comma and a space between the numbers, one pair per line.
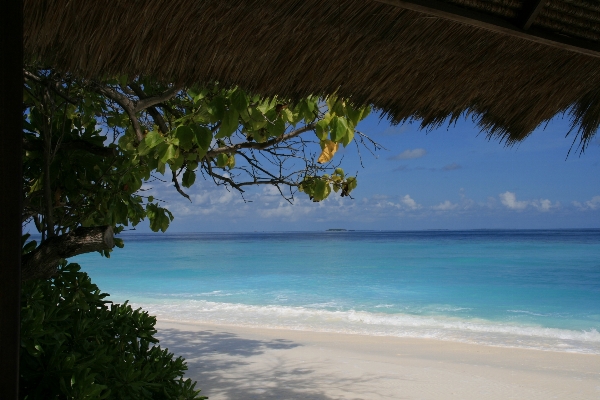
509, 199
445, 206
410, 203
270, 190
409, 154
592, 204
578, 205
224, 198
544, 205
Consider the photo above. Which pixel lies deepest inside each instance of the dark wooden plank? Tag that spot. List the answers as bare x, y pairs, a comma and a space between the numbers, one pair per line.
531, 12
11, 100
495, 24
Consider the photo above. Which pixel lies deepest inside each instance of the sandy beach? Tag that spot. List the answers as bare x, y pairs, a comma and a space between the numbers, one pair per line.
249, 363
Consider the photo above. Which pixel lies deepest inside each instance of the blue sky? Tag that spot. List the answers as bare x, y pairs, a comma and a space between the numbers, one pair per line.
449, 178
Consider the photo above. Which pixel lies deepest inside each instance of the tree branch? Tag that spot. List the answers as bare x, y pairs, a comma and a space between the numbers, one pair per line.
152, 101
259, 146
127, 105
43, 261
158, 119
29, 75
178, 188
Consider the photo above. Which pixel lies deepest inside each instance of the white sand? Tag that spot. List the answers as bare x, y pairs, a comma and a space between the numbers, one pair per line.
248, 363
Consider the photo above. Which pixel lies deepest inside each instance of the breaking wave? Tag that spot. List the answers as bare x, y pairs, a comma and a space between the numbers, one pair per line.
476, 331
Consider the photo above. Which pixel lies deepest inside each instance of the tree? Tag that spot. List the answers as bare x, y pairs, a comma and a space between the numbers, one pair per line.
91, 144
89, 147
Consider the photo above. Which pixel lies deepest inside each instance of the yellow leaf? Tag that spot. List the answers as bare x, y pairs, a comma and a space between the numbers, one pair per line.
329, 149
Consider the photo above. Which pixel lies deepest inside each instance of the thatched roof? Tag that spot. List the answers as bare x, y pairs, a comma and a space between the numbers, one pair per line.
408, 64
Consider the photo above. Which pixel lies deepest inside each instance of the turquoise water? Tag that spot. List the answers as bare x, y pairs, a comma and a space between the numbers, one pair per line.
530, 289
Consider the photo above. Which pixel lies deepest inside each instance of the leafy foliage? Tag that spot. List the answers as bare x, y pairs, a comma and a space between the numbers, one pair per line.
91, 149
91, 146
77, 345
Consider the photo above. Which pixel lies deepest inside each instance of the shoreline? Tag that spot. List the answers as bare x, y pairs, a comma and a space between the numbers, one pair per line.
231, 362
445, 328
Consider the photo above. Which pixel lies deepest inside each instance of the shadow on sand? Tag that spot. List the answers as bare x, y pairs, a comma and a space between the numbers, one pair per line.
227, 366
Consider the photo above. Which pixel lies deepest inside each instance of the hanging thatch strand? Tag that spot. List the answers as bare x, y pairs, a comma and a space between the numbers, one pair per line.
405, 63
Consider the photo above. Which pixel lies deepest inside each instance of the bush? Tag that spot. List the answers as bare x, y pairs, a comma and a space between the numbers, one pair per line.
77, 345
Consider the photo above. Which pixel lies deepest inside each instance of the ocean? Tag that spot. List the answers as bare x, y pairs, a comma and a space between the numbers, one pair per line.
536, 289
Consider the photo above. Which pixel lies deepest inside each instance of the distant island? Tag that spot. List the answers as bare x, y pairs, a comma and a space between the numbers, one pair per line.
336, 230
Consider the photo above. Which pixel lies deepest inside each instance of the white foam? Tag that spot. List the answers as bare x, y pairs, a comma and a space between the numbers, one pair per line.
380, 324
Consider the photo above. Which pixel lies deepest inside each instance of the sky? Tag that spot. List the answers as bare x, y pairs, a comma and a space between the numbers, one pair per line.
449, 178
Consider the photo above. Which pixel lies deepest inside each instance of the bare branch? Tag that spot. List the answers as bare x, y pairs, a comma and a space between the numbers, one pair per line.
210, 172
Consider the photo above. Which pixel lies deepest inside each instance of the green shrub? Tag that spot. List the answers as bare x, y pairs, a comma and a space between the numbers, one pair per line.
77, 345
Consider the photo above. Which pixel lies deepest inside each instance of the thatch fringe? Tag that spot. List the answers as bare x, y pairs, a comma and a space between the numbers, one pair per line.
407, 64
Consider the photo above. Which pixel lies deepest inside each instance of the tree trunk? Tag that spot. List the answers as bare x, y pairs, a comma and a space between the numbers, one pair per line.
43, 261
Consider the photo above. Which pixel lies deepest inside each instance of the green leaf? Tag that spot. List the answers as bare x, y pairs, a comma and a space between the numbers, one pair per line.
287, 115
152, 139
260, 135
331, 100
161, 167
170, 153
339, 108
306, 110
266, 105
277, 128
354, 114
217, 107
189, 177
322, 129
339, 127
347, 139
257, 119
185, 134
229, 124
231, 162
222, 160
321, 190
203, 136
143, 149
177, 161
239, 101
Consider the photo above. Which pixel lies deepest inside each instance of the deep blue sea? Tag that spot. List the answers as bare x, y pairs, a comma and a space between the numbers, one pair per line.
529, 289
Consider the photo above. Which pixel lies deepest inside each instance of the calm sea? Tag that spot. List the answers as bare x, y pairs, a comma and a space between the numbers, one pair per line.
529, 289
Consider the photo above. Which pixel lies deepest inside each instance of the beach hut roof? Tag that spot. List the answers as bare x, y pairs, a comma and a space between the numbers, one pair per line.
510, 64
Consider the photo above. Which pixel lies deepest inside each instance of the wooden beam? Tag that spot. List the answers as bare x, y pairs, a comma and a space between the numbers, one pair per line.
531, 12
11, 182
495, 24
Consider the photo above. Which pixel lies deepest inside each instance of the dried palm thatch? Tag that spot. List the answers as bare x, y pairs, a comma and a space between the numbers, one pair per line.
408, 64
